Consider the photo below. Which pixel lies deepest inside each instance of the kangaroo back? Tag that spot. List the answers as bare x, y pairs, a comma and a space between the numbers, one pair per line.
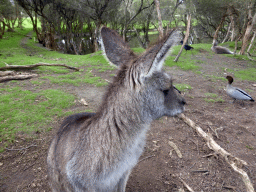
96, 152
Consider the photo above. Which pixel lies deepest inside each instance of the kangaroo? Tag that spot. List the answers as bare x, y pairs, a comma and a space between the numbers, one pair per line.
95, 152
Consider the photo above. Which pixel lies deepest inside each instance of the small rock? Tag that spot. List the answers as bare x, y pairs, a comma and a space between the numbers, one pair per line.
33, 185
1, 163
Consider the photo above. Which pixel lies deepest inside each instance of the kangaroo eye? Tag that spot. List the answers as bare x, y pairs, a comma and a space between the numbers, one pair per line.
166, 92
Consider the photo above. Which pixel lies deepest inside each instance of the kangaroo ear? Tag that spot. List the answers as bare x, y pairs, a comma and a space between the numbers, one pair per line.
116, 50
154, 58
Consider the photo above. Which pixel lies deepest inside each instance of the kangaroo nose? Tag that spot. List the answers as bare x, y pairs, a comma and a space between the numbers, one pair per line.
183, 102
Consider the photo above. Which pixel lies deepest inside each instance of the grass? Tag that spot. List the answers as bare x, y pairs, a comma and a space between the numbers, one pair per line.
183, 87
212, 98
24, 111
185, 62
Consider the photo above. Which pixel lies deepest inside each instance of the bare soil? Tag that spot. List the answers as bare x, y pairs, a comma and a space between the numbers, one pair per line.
232, 125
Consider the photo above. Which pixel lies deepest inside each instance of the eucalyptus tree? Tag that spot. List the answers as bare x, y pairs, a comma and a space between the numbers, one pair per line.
226, 20
7, 16
33, 9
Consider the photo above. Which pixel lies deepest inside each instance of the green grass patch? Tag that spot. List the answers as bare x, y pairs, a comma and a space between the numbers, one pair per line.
138, 50
212, 98
186, 60
23, 111
249, 147
211, 95
246, 74
183, 87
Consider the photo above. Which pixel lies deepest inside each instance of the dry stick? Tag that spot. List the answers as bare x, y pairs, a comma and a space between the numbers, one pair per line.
174, 146
146, 158
24, 148
186, 185
16, 77
35, 65
230, 159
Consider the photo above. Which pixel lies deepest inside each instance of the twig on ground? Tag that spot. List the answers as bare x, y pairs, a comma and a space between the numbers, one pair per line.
211, 154
203, 171
24, 148
192, 166
233, 161
174, 146
146, 158
195, 144
186, 185
214, 131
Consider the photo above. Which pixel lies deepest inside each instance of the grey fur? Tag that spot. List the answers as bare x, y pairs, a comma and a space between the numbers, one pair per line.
96, 152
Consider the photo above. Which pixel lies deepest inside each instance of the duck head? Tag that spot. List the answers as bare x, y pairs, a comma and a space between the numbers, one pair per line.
230, 79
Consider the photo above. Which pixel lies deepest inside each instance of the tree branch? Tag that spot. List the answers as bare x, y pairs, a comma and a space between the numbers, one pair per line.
234, 162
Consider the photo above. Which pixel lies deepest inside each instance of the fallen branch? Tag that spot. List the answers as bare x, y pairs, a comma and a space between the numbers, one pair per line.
17, 77
35, 65
234, 162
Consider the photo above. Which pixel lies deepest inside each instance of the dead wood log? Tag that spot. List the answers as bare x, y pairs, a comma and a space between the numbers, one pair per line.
6, 73
234, 162
36, 65
17, 77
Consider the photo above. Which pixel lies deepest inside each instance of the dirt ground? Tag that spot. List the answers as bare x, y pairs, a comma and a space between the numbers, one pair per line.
232, 126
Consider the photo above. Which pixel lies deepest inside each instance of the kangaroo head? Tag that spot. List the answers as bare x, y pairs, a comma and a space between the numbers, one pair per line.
141, 79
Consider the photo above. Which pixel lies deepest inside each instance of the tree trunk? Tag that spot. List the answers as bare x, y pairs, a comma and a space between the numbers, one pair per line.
250, 46
178, 2
132, 18
234, 14
250, 24
227, 35
160, 25
215, 37
95, 36
142, 44
185, 39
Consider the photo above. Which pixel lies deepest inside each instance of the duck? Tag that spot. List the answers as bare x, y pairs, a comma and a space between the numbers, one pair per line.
236, 93
219, 49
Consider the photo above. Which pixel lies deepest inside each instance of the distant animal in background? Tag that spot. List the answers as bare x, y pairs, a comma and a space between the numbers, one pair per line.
97, 152
187, 47
236, 93
219, 49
